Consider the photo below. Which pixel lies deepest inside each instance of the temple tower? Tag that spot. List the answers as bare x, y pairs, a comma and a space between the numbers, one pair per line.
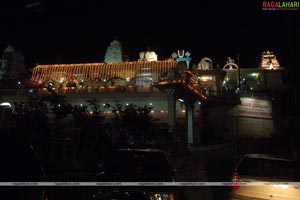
114, 52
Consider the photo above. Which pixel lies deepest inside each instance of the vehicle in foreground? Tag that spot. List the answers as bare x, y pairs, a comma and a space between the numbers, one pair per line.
136, 165
269, 177
133, 193
140, 167
20, 163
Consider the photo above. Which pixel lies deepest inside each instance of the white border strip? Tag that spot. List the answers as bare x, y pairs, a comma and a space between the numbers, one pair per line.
149, 183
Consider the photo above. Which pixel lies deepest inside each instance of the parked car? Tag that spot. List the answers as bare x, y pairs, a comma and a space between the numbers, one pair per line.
20, 163
124, 165
280, 176
136, 165
134, 193
5, 118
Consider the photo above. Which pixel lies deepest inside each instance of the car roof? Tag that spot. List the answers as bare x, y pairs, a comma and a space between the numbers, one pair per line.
142, 150
267, 156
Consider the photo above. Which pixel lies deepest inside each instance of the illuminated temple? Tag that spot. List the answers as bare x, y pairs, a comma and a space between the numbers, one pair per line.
177, 92
112, 82
111, 74
96, 75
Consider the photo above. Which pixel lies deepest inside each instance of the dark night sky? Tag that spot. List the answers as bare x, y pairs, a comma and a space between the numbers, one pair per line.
73, 31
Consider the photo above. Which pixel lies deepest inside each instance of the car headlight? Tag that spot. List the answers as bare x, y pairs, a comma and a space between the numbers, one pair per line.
161, 196
281, 186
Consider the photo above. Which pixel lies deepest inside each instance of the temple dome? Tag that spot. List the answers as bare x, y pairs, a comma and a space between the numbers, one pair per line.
148, 56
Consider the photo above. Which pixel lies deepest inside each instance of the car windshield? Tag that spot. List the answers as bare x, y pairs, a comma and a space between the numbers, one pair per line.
139, 161
271, 168
19, 160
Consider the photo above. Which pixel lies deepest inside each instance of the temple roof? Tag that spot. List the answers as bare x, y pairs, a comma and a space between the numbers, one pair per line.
102, 70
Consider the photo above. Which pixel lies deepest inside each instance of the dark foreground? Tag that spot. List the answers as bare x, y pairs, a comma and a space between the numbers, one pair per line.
69, 164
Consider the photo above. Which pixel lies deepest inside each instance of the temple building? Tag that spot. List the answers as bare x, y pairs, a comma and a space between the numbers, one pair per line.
11, 64
144, 82
112, 82
258, 90
228, 96
94, 75
111, 74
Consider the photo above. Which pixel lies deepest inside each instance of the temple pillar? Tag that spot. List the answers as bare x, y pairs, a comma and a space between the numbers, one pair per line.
190, 124
171, 110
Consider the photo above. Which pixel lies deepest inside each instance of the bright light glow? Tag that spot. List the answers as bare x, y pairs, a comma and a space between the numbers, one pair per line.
254, 74
269, 60
127, 79
151, 56
5, 104
205, 78
180, 100
161, 196
281, 186
150, 104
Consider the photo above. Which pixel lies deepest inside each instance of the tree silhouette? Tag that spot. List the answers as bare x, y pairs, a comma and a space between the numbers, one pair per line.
132, 119
96, 108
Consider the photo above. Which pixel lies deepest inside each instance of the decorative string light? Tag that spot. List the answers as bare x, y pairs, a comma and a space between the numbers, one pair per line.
90, 71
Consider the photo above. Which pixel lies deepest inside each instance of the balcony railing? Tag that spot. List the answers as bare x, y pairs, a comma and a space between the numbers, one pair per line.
104, 89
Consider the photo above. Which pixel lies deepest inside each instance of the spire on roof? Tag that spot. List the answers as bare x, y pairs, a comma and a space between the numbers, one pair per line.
114, 52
